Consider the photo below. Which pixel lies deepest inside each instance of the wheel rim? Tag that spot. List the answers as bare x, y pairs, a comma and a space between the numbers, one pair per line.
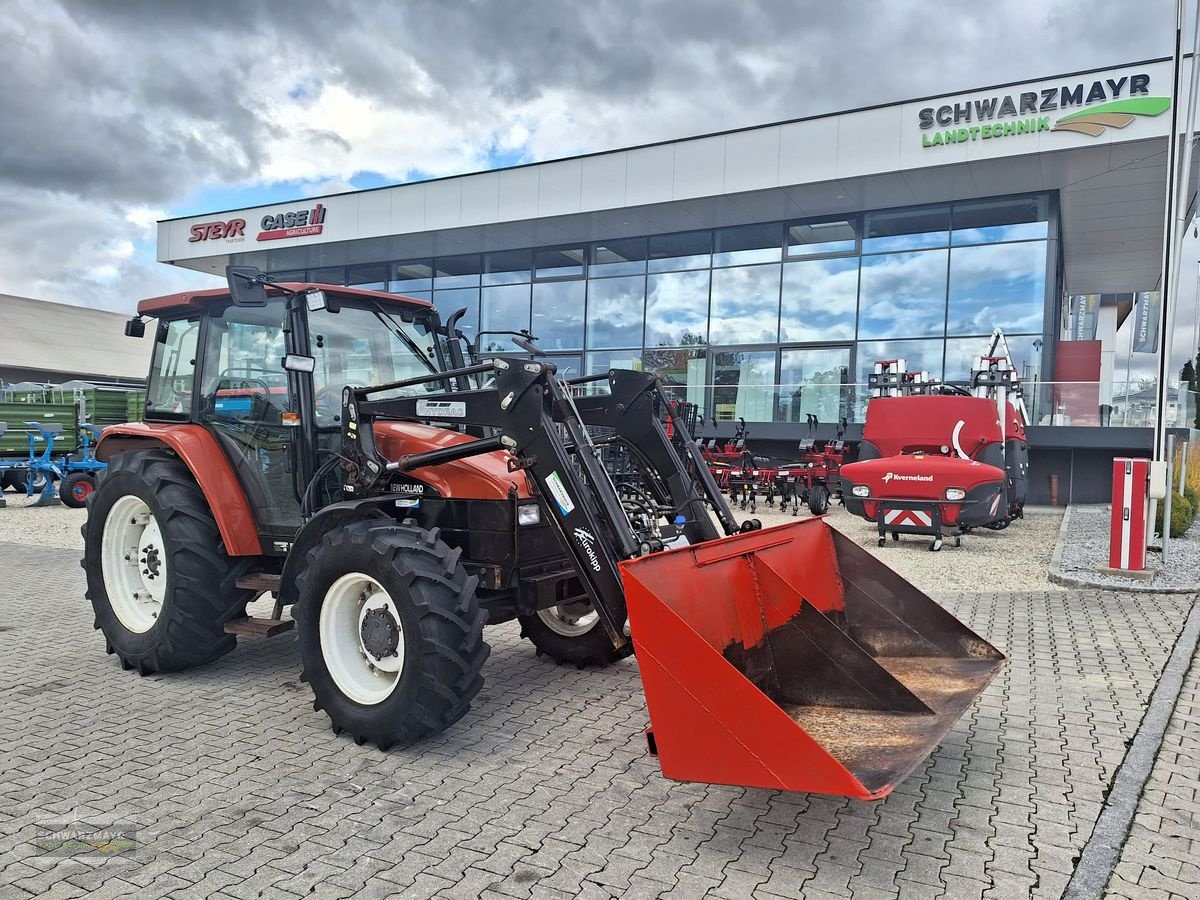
362, 638
570, 619
134, 563
81, 490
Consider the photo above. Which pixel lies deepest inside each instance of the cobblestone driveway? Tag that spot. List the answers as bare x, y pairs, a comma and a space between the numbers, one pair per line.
239, 789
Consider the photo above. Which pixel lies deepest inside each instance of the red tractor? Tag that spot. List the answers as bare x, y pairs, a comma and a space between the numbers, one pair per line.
332, 447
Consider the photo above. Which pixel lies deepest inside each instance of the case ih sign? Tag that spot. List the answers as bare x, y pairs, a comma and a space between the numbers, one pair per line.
292, 224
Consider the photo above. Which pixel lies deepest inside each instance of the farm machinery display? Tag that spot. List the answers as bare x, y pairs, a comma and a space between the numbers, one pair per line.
49, 432
47, 474
812, 478
940, 460
399, 497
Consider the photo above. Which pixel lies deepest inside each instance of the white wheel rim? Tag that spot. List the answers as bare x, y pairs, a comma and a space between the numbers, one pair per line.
366, 676
133, 560
570, 619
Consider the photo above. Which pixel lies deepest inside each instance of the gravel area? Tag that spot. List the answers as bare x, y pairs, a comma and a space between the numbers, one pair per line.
47, 526
984, 562
1016, 559
1085, 550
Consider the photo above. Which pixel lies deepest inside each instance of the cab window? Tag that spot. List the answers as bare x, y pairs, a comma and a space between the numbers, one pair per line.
363, 346
244, 380
172, 369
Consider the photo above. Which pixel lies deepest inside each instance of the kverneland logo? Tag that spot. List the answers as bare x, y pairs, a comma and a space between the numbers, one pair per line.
301, 223
892, 476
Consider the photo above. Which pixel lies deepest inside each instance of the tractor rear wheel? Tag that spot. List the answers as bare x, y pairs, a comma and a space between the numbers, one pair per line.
390, 632
158, 577
75, 488
572, 633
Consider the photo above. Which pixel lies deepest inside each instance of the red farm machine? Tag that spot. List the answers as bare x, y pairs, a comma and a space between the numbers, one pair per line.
335, 448
812, 478
937, 459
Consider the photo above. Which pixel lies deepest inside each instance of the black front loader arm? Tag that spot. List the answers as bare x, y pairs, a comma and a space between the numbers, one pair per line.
631, 409
535, 418
523, 406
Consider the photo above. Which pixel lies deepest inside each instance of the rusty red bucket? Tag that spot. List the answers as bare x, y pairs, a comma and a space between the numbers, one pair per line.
790, 658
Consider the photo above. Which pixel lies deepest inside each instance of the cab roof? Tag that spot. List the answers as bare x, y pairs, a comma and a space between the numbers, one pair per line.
187, 301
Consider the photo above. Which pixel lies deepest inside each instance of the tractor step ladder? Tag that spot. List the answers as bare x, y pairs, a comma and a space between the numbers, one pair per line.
255, 626
252, 626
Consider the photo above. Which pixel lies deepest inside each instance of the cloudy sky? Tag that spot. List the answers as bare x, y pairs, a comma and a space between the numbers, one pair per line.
120, 112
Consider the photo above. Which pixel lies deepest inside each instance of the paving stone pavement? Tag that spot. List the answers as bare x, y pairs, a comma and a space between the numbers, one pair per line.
1161, 858
239, 790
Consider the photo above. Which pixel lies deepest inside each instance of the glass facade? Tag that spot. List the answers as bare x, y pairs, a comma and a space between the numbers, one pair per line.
768, 322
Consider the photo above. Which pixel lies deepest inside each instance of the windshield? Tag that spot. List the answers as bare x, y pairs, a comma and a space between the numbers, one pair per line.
365, 345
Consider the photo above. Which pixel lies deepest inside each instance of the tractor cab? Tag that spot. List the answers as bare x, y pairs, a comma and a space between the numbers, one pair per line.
264, 375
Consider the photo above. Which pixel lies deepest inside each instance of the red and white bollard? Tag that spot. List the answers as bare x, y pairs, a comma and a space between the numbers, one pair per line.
1130, 514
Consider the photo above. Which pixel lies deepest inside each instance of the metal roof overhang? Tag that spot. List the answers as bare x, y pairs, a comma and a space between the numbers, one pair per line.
1111, 208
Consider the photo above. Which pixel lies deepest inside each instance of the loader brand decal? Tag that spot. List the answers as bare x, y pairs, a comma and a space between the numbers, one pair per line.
892, 476
302, 223
445, 409
559, 493
587, 541
1117, 103
917, 517
233, 230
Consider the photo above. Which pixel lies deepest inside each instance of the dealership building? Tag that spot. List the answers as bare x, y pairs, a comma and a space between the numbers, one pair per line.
762, 271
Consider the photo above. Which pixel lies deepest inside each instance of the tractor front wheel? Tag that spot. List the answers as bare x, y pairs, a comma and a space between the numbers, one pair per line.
390, 632
158, 578
572, 633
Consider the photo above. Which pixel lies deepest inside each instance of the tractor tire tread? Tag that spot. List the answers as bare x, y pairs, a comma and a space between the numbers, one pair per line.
449, 624
192, 627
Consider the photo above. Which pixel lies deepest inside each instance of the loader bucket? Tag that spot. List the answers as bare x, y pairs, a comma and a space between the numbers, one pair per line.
790, 658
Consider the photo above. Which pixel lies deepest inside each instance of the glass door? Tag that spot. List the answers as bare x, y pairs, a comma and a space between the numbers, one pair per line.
815, 381
743, 385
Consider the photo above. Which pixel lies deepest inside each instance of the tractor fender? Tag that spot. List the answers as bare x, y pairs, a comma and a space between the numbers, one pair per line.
314, 529
203, 456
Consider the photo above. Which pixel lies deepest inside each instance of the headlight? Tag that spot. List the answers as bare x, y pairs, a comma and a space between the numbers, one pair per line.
955, 493
529, 514
860, 490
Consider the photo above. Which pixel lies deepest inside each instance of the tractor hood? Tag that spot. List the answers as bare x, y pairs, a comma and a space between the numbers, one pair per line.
482, 477
919, 476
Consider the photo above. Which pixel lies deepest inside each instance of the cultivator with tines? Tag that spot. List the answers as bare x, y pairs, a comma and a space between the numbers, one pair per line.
811, 479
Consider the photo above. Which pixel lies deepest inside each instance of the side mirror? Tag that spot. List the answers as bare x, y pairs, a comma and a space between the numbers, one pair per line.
246, 286
295, 362
135, 327
527, 344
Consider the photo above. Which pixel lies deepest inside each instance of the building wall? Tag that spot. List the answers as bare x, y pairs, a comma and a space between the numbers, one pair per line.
769, 322
44, 341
